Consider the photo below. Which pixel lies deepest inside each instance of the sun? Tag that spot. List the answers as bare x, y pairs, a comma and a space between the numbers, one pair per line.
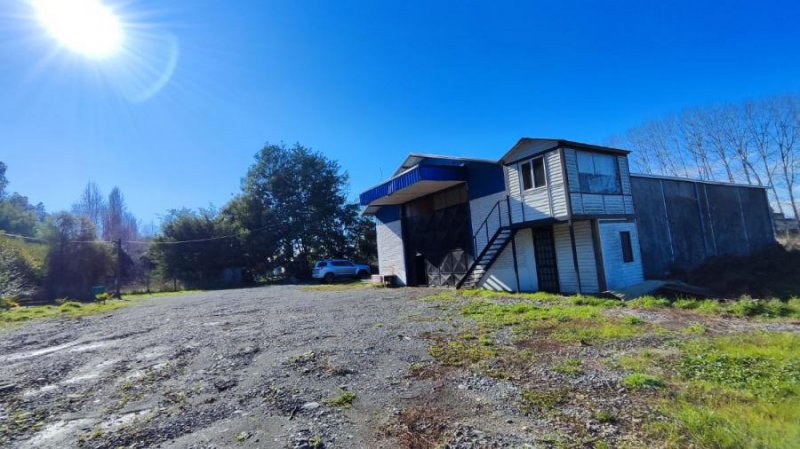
86, 27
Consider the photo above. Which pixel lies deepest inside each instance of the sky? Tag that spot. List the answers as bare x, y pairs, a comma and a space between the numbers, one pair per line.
175, 118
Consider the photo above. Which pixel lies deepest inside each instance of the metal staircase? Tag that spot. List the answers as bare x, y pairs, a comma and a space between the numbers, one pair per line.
496, 232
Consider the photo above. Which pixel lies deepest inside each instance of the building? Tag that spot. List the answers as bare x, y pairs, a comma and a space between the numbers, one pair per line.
554, 215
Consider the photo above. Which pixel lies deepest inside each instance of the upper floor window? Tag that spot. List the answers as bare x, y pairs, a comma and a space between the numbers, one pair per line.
533, 174
598, 173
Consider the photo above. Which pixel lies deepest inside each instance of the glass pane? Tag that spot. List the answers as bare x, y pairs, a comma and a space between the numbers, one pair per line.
527, 182
539, 179
585, 162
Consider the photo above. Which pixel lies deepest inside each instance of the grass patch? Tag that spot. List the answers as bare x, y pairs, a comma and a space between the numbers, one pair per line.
72, 309
737, 391
135, 295
344, 400
639, 381
461, 352
339, 286
541, 401
570, 367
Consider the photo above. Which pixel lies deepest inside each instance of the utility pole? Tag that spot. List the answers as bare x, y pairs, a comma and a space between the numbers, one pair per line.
117, 293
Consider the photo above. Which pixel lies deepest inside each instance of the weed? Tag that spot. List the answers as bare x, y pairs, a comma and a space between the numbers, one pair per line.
694, 328
632, 319
569, 367
638, 381
460, 353
540, 401
344, 400
649, 302
340, 286
605, 417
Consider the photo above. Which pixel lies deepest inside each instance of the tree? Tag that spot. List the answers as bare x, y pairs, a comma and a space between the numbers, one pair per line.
118, 222
304, 192
91, 205
756, 142
189, 248
3, 179
76, 260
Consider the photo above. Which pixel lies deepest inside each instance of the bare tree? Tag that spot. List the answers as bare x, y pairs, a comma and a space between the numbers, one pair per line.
786, 115
758, 123
92, 206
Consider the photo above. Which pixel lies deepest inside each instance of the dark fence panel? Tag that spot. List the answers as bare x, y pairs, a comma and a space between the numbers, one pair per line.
683, 222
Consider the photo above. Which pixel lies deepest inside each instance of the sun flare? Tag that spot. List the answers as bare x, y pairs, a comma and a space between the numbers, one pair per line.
87, 27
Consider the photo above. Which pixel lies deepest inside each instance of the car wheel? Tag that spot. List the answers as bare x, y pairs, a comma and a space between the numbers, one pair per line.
363, 274
329, 278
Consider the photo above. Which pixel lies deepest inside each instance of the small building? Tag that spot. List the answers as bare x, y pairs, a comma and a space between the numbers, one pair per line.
554, 215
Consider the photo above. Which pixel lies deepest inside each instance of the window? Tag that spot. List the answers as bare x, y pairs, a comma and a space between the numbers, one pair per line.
322, 264
598, 173
627, 248
533, 174
538, 173
527, 181
342, 263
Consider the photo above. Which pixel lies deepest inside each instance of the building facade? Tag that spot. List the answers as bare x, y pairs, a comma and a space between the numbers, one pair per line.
550, 215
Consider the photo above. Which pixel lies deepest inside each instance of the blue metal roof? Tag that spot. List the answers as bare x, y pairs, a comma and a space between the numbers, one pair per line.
412, 176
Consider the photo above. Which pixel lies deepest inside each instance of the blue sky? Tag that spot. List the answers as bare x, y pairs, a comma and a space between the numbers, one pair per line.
364, 82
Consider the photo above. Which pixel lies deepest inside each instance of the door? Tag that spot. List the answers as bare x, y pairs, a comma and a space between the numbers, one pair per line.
544, 250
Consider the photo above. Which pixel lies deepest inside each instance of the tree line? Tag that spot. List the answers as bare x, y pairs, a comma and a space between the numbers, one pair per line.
754, 142
292, 209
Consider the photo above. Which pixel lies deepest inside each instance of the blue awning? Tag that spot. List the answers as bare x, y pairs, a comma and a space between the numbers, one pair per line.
413, 183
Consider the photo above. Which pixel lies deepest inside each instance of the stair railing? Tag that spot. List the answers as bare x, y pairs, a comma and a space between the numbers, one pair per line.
495, 219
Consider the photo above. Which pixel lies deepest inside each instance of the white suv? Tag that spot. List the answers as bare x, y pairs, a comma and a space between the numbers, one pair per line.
330, 269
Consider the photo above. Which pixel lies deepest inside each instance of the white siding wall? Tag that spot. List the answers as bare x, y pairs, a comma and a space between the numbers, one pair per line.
391, 258
618, 273
544, 202
500, 275
586, 258
479, 208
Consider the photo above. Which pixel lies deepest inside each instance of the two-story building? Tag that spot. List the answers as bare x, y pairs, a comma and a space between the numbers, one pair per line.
551, 215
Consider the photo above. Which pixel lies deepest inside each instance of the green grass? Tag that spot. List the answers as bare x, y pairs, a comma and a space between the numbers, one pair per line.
158, 294
70, 309
570, 367
461, 352
639, 381
339, 286
736, 391
541, 401
344, 400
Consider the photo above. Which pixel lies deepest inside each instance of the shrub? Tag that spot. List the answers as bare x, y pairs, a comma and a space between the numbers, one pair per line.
8, 303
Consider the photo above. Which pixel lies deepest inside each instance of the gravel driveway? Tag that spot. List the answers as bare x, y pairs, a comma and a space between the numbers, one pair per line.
258, 367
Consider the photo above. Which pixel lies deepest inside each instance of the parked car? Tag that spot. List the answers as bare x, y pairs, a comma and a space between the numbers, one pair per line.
329, 269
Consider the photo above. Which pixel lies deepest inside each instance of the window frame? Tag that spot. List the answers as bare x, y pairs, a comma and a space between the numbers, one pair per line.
593, 154
626, 244
529, 175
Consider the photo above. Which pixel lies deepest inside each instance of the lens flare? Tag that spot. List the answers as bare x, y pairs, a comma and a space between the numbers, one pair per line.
87, 27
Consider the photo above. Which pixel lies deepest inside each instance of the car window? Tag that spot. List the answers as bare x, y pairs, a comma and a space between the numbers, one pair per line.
321, 264
342, 263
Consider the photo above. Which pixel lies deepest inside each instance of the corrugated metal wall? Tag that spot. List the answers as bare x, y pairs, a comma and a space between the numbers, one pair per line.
683, 222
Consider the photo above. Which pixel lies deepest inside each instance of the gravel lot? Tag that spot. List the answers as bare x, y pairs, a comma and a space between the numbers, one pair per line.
249, 368
288, 367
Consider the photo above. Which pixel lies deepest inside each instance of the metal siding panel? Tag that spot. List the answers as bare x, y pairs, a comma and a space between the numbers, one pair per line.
557, 186
568, 281
587, 264
620, 274
391, 256
624, 174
